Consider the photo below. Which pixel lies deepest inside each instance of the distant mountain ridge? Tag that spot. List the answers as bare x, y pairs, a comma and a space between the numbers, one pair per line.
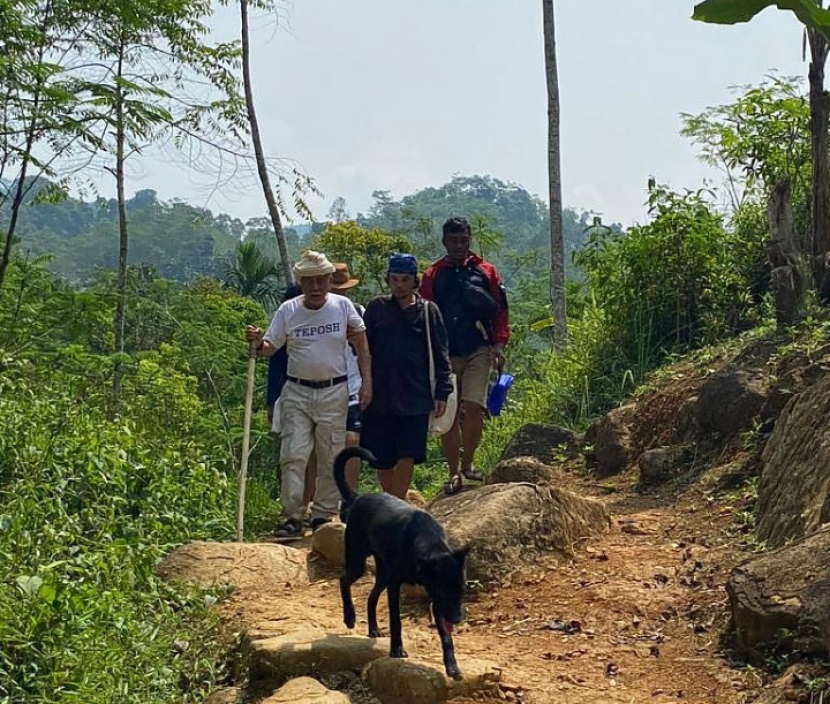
181, 241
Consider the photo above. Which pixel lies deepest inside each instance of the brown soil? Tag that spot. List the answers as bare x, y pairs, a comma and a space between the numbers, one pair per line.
645, 605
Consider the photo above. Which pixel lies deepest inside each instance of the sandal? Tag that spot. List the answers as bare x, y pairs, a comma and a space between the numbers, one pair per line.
472, 474
292, 529
454, 485
317, 522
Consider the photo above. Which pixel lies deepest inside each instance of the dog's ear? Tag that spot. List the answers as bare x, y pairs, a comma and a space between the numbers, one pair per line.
461, 553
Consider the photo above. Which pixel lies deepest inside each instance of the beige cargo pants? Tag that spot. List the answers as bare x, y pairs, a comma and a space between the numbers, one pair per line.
311, 418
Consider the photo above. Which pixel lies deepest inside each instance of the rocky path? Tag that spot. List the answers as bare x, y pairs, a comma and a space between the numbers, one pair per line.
637, 616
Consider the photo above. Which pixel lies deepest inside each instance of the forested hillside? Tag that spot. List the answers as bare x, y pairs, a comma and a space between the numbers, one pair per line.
181, 241
126, 380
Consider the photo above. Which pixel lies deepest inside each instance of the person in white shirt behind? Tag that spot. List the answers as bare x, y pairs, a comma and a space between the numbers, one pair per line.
317, 328
342, 283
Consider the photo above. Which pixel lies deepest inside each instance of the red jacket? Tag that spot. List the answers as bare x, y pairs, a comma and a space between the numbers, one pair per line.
499, 326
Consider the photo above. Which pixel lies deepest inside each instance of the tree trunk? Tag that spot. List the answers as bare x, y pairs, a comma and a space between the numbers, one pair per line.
820, 234
16, 205
557, 242
20, 189
790, 276
262, 167
121, 302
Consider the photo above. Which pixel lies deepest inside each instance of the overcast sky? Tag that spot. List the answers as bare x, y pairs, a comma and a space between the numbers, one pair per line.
385, 94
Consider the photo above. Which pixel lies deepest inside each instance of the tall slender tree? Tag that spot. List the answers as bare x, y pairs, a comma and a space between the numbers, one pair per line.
557, 240
821, 158
121, 196
816, 20
41, 119
150, 53
256, 138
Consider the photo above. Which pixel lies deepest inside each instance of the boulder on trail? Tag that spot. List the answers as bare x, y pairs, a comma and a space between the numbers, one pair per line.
398, 681
659, 463
310, 652
794, 488
328, 541
610, 437
244, 565
783, 598
544, 442
730, 400
509, 526
791, 687
305, 690
521, 469
686, 421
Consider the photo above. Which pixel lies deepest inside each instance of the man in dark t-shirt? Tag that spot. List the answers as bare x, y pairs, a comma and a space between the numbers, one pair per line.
396, 423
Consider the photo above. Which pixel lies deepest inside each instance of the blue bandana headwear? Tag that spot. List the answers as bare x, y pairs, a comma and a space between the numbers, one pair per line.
403, 264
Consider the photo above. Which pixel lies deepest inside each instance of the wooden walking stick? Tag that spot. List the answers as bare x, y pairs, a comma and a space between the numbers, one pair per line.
246, 440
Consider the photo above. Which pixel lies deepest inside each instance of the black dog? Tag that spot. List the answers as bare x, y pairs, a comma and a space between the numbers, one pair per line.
409, 546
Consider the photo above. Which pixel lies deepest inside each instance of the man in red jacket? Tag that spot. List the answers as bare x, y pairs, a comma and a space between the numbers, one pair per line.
470, 294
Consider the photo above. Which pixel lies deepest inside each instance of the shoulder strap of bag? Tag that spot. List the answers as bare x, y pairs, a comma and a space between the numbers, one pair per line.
429, 347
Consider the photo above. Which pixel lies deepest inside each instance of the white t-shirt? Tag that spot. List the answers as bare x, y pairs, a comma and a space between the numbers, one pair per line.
355, 380
316, 339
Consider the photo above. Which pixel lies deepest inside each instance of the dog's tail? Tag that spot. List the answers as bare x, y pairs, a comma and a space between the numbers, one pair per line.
348, 494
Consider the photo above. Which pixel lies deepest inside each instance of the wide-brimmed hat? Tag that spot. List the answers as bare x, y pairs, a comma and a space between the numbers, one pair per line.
341, 279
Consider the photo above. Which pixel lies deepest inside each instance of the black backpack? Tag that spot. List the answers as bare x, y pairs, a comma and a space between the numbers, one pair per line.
479, 301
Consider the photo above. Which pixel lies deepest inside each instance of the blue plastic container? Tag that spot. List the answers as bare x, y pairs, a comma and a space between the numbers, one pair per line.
498, 393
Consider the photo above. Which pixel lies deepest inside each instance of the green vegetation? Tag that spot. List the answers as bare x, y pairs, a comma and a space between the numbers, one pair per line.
89, 503
95, 487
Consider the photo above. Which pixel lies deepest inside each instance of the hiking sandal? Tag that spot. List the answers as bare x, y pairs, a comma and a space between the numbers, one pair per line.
292, 529
472, 474
454, 485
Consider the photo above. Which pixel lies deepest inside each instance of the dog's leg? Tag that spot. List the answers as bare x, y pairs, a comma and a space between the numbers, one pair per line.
393, 591
448, 650
354, 569
374, 595
349, 615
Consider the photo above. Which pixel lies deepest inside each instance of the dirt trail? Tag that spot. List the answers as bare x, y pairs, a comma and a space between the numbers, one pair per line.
637, 616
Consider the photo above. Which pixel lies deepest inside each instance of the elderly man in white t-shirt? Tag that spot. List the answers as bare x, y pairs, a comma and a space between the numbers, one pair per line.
317, 328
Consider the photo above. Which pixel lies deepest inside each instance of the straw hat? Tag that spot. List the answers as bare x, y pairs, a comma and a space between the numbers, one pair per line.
313, 264
341, 279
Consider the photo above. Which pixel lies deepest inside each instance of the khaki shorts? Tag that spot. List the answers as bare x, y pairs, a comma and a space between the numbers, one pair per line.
473, 375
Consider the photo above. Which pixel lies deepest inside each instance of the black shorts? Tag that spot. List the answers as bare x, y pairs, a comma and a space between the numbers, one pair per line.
392, 437
354, 419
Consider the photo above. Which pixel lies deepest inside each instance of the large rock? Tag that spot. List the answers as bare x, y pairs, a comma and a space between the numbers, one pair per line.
729, 401
328, 541
793, 492
547, 443
311, 652
686, 421
510, 525
305, 690
610, 438
783, 598
521, 469
660, 463
791, 687
397, 681
244, 565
